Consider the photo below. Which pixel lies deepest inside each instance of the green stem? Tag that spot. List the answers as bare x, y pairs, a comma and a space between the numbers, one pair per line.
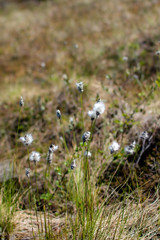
87, 180
17, 132
81, 103
64, 139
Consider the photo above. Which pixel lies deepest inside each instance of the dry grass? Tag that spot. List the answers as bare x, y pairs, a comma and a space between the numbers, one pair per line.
29, 224
132, 221
126, 221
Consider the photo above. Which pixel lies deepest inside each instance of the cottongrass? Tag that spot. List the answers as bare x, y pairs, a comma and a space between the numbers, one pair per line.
157, 53
99, 108
131, 148
27, 139
92, 115
80, 86
87, 154
144, 135
71, 123
125, 58
114, 147
35, 157
58, 113
73, 164
86, 137
28, 172
52, 148
21, 102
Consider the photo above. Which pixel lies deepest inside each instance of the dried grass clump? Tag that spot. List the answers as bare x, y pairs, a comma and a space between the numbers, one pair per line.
131, 221
32, 225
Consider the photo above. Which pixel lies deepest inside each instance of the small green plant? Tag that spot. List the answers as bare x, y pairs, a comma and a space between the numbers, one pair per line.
9, 201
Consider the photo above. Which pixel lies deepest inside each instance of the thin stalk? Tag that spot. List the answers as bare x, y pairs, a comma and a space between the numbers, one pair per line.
64, 139
17, 132
81, 103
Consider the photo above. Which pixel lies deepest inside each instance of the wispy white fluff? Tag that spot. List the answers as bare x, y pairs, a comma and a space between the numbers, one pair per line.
157, 52
58, 113
73, 164
21, 102
125, 58
99, 108
92, 115
131, 148
27, 139
87, 154
76, 46
71, 123
49, 157
53, 148
86, 136
144, 135
114, 147
35, 157
27, 172
43, 64
80, 86
65, 77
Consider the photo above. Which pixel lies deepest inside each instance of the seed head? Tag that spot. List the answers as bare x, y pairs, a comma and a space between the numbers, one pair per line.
99, 108
144, 135
76, 46
61, 139
71, 123
53, 148
92, 115
27, 139
114, 147
125, 58
131, 148
58, 113
49, 157
21, 102
73, 164
80, 86
87, 154
35, 157
65, 77
43, 64
27, 172
86, 136
157, 53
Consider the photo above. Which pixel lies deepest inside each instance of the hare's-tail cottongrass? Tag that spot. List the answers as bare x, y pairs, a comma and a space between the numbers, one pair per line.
87, 154
73, 164
35, 157
58, 113
28, 171
92, 114
51, 150
114, 147
86, 137
27, 139
21, 102
144, 135
99, 108
80, 86
131, 148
